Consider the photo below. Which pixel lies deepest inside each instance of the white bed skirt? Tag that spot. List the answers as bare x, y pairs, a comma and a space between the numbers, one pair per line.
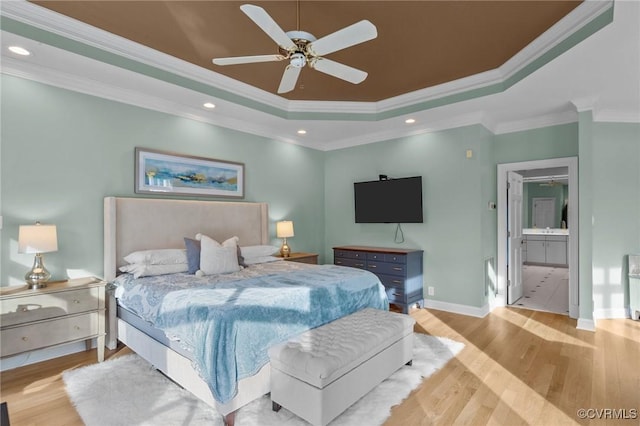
179, 369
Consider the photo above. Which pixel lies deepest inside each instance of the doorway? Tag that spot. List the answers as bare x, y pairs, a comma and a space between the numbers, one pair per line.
569, 215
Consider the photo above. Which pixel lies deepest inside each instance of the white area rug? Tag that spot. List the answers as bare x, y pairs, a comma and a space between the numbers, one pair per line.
128, 391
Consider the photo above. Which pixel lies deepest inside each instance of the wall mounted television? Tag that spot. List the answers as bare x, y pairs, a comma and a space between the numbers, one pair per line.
389, 200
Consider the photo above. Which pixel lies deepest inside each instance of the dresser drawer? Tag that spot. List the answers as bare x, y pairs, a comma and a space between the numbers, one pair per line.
395, 294
39, 335
353, 263
20, 310
376, 256
395, 258
391, 281
350, 254
398, 269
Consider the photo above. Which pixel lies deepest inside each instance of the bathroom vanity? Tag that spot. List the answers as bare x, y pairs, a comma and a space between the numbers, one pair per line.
546, 246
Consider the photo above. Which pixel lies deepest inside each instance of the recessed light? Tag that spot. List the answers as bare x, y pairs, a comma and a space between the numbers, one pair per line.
302, 132
410, 120
19, 50
209, 105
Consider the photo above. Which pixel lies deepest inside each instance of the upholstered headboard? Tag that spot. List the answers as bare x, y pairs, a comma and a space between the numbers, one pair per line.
132, 224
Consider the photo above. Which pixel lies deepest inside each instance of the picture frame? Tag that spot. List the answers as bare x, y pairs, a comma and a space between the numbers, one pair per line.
163, 172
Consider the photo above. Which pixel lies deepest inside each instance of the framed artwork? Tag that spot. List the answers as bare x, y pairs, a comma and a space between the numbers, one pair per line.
161, 172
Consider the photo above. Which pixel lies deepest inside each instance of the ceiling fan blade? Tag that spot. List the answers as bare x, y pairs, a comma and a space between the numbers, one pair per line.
349, 36
247, 59
268, 25
289, 79
342, 71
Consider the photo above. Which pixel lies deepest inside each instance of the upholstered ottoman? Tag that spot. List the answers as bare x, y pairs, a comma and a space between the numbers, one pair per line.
322, 372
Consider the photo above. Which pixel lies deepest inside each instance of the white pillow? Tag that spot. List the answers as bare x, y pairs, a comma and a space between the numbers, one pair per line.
258, 251
261, 259
146, 270
216, 258
157, 257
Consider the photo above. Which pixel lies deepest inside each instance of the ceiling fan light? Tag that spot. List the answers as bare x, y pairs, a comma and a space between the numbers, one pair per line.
298, 60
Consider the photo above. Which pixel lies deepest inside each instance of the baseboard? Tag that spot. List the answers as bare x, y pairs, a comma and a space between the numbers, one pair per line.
614, 313
586, 324
455, 308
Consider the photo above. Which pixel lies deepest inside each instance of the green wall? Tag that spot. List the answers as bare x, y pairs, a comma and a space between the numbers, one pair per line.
62, 152
458, 232
537, 144
615, 212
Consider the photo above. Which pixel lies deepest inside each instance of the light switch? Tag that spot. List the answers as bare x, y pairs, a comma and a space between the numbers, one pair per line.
469, 153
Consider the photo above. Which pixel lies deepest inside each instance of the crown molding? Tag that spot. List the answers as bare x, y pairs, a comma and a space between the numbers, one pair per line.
82, 84
558, 33
616, 116
587, 103
229, 89
563, 117
450, 123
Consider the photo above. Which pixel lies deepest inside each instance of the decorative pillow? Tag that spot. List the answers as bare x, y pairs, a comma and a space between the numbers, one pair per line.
241, 261
146, 270
216, 258
258, 251
157, 257
193, 254
261, 259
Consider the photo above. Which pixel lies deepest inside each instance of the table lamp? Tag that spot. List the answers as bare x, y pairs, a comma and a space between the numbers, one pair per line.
284, 229
37, 239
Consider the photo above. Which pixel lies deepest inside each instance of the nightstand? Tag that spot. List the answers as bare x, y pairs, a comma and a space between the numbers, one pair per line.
63, 312
302, 258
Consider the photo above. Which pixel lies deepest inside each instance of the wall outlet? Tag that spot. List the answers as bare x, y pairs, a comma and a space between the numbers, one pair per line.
431, 291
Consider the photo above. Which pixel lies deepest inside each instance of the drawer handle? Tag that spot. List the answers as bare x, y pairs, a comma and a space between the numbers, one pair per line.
395, 268
338, 262
360, 265
25, 338
76, 301
372, 266
397, 282
77, 327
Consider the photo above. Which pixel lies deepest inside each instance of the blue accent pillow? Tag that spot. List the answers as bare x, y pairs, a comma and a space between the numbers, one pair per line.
193, 254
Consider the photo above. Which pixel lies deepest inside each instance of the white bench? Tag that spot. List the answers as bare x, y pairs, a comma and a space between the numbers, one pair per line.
322, 372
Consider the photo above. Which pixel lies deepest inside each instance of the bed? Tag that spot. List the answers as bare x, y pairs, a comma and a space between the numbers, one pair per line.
211, 360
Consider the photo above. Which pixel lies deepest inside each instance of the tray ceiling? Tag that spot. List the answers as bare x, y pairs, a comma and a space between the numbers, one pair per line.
420, 44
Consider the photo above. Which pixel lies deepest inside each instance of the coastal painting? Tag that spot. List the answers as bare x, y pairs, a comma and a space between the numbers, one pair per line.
160, 172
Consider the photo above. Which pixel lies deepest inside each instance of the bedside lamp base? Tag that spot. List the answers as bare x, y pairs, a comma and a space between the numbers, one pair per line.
38, 275
285, 250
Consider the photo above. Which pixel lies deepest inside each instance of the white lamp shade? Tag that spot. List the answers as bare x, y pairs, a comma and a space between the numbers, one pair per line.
284, 229
37, 239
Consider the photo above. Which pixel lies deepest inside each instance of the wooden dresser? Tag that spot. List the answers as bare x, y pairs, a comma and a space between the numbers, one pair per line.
63, 312
399, 270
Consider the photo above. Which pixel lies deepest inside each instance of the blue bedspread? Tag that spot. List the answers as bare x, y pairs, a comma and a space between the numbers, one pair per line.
228, 326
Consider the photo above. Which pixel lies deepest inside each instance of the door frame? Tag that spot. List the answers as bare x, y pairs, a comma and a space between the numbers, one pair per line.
573, 259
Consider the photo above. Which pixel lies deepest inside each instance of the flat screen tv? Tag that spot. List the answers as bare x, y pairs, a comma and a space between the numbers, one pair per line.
389, 201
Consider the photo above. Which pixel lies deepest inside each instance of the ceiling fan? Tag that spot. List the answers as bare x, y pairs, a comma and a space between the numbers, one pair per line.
301, 48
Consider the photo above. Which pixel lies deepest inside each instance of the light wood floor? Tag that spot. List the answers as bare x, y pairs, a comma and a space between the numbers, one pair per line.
518, 367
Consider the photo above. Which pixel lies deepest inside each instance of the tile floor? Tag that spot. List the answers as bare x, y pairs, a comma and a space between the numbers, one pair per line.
545, 289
